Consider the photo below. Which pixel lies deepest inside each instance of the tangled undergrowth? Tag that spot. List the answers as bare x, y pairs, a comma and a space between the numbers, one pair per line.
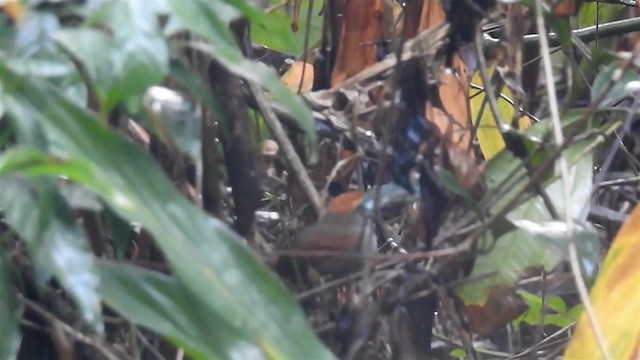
318, 179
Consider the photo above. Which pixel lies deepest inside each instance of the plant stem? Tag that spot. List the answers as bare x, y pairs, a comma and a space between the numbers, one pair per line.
587, 34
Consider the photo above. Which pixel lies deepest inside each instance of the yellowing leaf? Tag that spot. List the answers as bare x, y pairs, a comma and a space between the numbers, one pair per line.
489, 136
616, 300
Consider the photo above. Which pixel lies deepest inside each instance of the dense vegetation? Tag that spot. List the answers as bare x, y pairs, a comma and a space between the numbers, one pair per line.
162, 162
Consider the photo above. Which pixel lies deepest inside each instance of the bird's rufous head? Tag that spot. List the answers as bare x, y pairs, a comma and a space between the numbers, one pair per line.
345, 203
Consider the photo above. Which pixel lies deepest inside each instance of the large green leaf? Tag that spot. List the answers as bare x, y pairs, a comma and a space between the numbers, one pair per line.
207, 258
202, 18
513, 253
9, 315
162, 304
123, 65
39, 214
505, 167
537, 239
533, 244
125, 17
580, 178
141, 60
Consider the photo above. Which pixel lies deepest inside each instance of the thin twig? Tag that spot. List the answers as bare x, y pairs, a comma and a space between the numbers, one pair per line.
566, 184
147, 344
490, 92
505, 98
307, 31
52, 319
453, 343
274, 125
547, 339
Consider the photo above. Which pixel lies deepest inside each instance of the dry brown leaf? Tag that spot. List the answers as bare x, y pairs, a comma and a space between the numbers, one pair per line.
453, 120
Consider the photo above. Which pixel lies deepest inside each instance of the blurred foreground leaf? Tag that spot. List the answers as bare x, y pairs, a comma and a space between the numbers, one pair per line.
160, 303
616, 300
38, 213
226, 281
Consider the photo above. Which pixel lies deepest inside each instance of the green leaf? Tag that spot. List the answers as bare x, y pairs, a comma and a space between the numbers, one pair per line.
126, 18
559, 320
160, 303
458, 353
618, 91
562, 28
120, 232
202, 18
207, 258
272, 26
141, 60
532, 315
556, 304
575, 312
78, 197
535, 316
580, 175
51, 66
37, 212
505, 166
282, 38
9, 314
588, 68
34, 35
81, 44
511, 255
533, 244
608, 12
124, 66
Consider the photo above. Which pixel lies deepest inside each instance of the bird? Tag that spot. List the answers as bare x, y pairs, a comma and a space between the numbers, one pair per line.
344, 227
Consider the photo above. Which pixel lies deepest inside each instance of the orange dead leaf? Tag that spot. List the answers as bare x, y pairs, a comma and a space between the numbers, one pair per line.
616, 300
454, 122
294, 76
